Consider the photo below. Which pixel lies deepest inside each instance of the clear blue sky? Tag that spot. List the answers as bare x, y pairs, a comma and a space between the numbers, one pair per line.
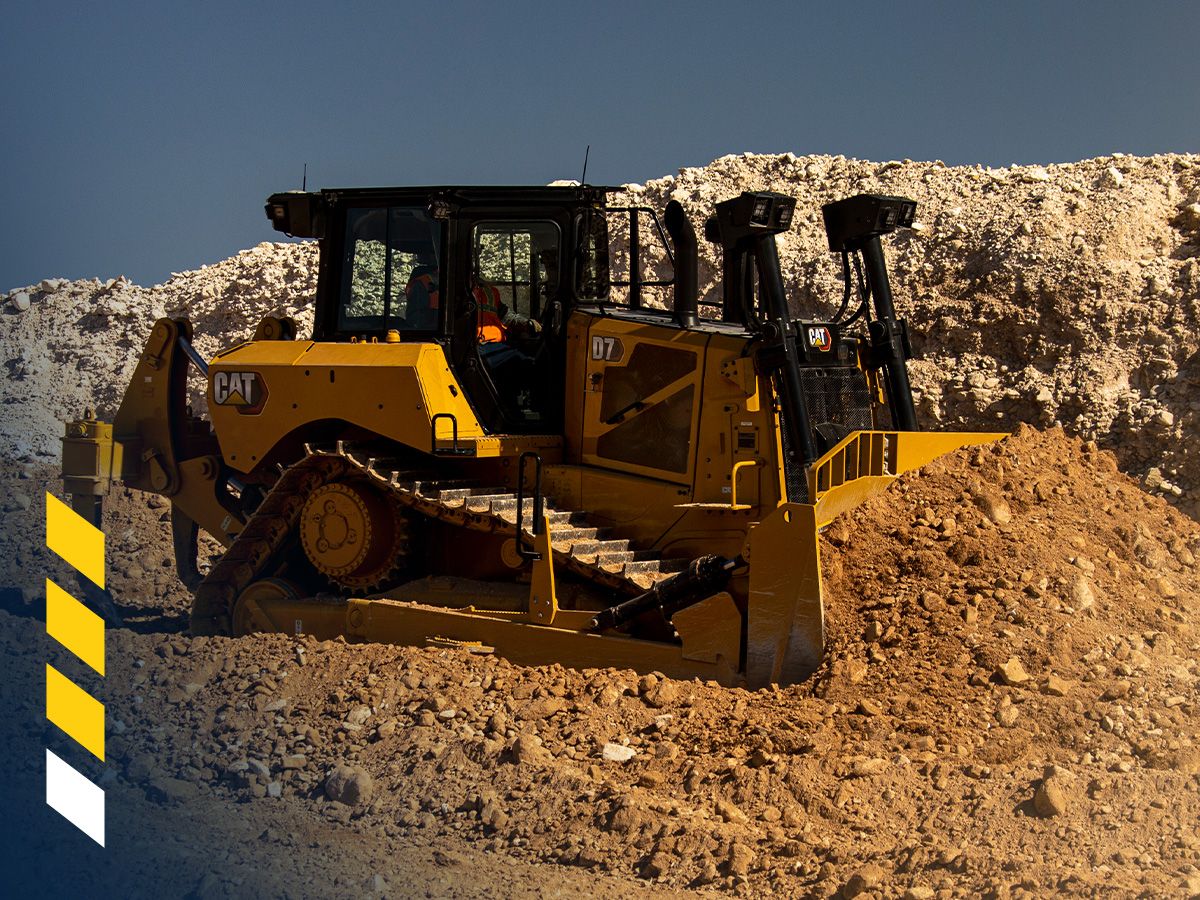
141, 138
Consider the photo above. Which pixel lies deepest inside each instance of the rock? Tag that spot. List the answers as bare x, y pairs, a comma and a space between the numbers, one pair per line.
527, 750
1008, 715
918, 892
740, 860
1012, 672
708, 873
1113, 177
296, 761
140, 767
358, 715
873, 632
665, 693
20, 300
1082, 595
259, 768
275, 789
868, 707
995, 508
856, 670
1049, 799
1117, 690
1055, 686
657, 865
492, 815
865, 879
730, 813
862, 768
350, 785
542, 708
652, 779
171, 790
617, 753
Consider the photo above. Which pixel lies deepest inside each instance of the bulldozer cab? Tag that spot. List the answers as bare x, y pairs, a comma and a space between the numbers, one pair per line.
491, 274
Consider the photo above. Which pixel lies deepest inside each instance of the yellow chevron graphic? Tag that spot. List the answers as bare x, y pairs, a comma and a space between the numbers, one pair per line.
75, 626
76, 540
75, 711
68, 791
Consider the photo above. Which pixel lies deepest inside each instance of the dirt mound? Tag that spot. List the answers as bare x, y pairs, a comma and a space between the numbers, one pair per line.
1010, 705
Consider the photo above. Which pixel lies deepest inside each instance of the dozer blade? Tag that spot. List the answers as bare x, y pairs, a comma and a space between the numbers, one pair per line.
785, 636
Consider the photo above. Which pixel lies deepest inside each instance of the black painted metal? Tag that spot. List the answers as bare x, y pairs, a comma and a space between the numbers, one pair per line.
795, 418
683, 236
888, 343
523, 549
454, 449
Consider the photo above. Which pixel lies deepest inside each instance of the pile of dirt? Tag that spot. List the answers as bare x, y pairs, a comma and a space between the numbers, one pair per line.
1009, 707
1064, 294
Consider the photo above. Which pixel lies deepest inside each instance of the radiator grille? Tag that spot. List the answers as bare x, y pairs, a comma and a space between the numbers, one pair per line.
838, 402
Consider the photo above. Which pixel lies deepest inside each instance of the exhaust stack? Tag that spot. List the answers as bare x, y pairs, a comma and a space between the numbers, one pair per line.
683, 236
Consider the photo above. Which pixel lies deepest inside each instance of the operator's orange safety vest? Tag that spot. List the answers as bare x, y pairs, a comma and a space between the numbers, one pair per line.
491, 326
431, 289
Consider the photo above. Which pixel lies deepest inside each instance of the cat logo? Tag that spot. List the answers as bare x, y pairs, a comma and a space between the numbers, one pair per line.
246, 391
819, 338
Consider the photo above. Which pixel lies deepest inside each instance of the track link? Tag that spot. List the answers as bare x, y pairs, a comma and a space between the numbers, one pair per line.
579, 547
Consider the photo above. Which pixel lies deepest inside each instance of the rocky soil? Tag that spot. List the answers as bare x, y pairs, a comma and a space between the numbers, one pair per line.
1010, 705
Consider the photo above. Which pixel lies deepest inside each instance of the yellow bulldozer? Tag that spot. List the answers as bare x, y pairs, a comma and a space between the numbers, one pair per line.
491, 442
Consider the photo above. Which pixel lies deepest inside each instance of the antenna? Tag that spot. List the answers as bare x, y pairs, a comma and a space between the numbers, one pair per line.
583, 177
304, 181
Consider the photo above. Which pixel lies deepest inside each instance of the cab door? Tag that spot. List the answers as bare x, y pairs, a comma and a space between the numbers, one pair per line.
505, 348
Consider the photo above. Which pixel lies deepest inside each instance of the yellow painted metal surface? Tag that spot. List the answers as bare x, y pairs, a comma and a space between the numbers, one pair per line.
785, 627
866, 462
602, 371
543, 600
393, 390
392, 622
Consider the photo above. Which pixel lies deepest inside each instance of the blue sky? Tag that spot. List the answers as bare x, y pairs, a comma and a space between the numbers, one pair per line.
142, 138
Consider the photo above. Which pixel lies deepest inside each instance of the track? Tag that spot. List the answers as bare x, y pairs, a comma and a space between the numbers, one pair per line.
579, 547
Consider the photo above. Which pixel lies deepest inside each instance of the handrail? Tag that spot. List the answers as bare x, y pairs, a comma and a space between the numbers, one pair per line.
733, 477
524, 550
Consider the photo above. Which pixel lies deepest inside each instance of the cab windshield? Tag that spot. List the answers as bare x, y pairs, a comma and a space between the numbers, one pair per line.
390, 272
